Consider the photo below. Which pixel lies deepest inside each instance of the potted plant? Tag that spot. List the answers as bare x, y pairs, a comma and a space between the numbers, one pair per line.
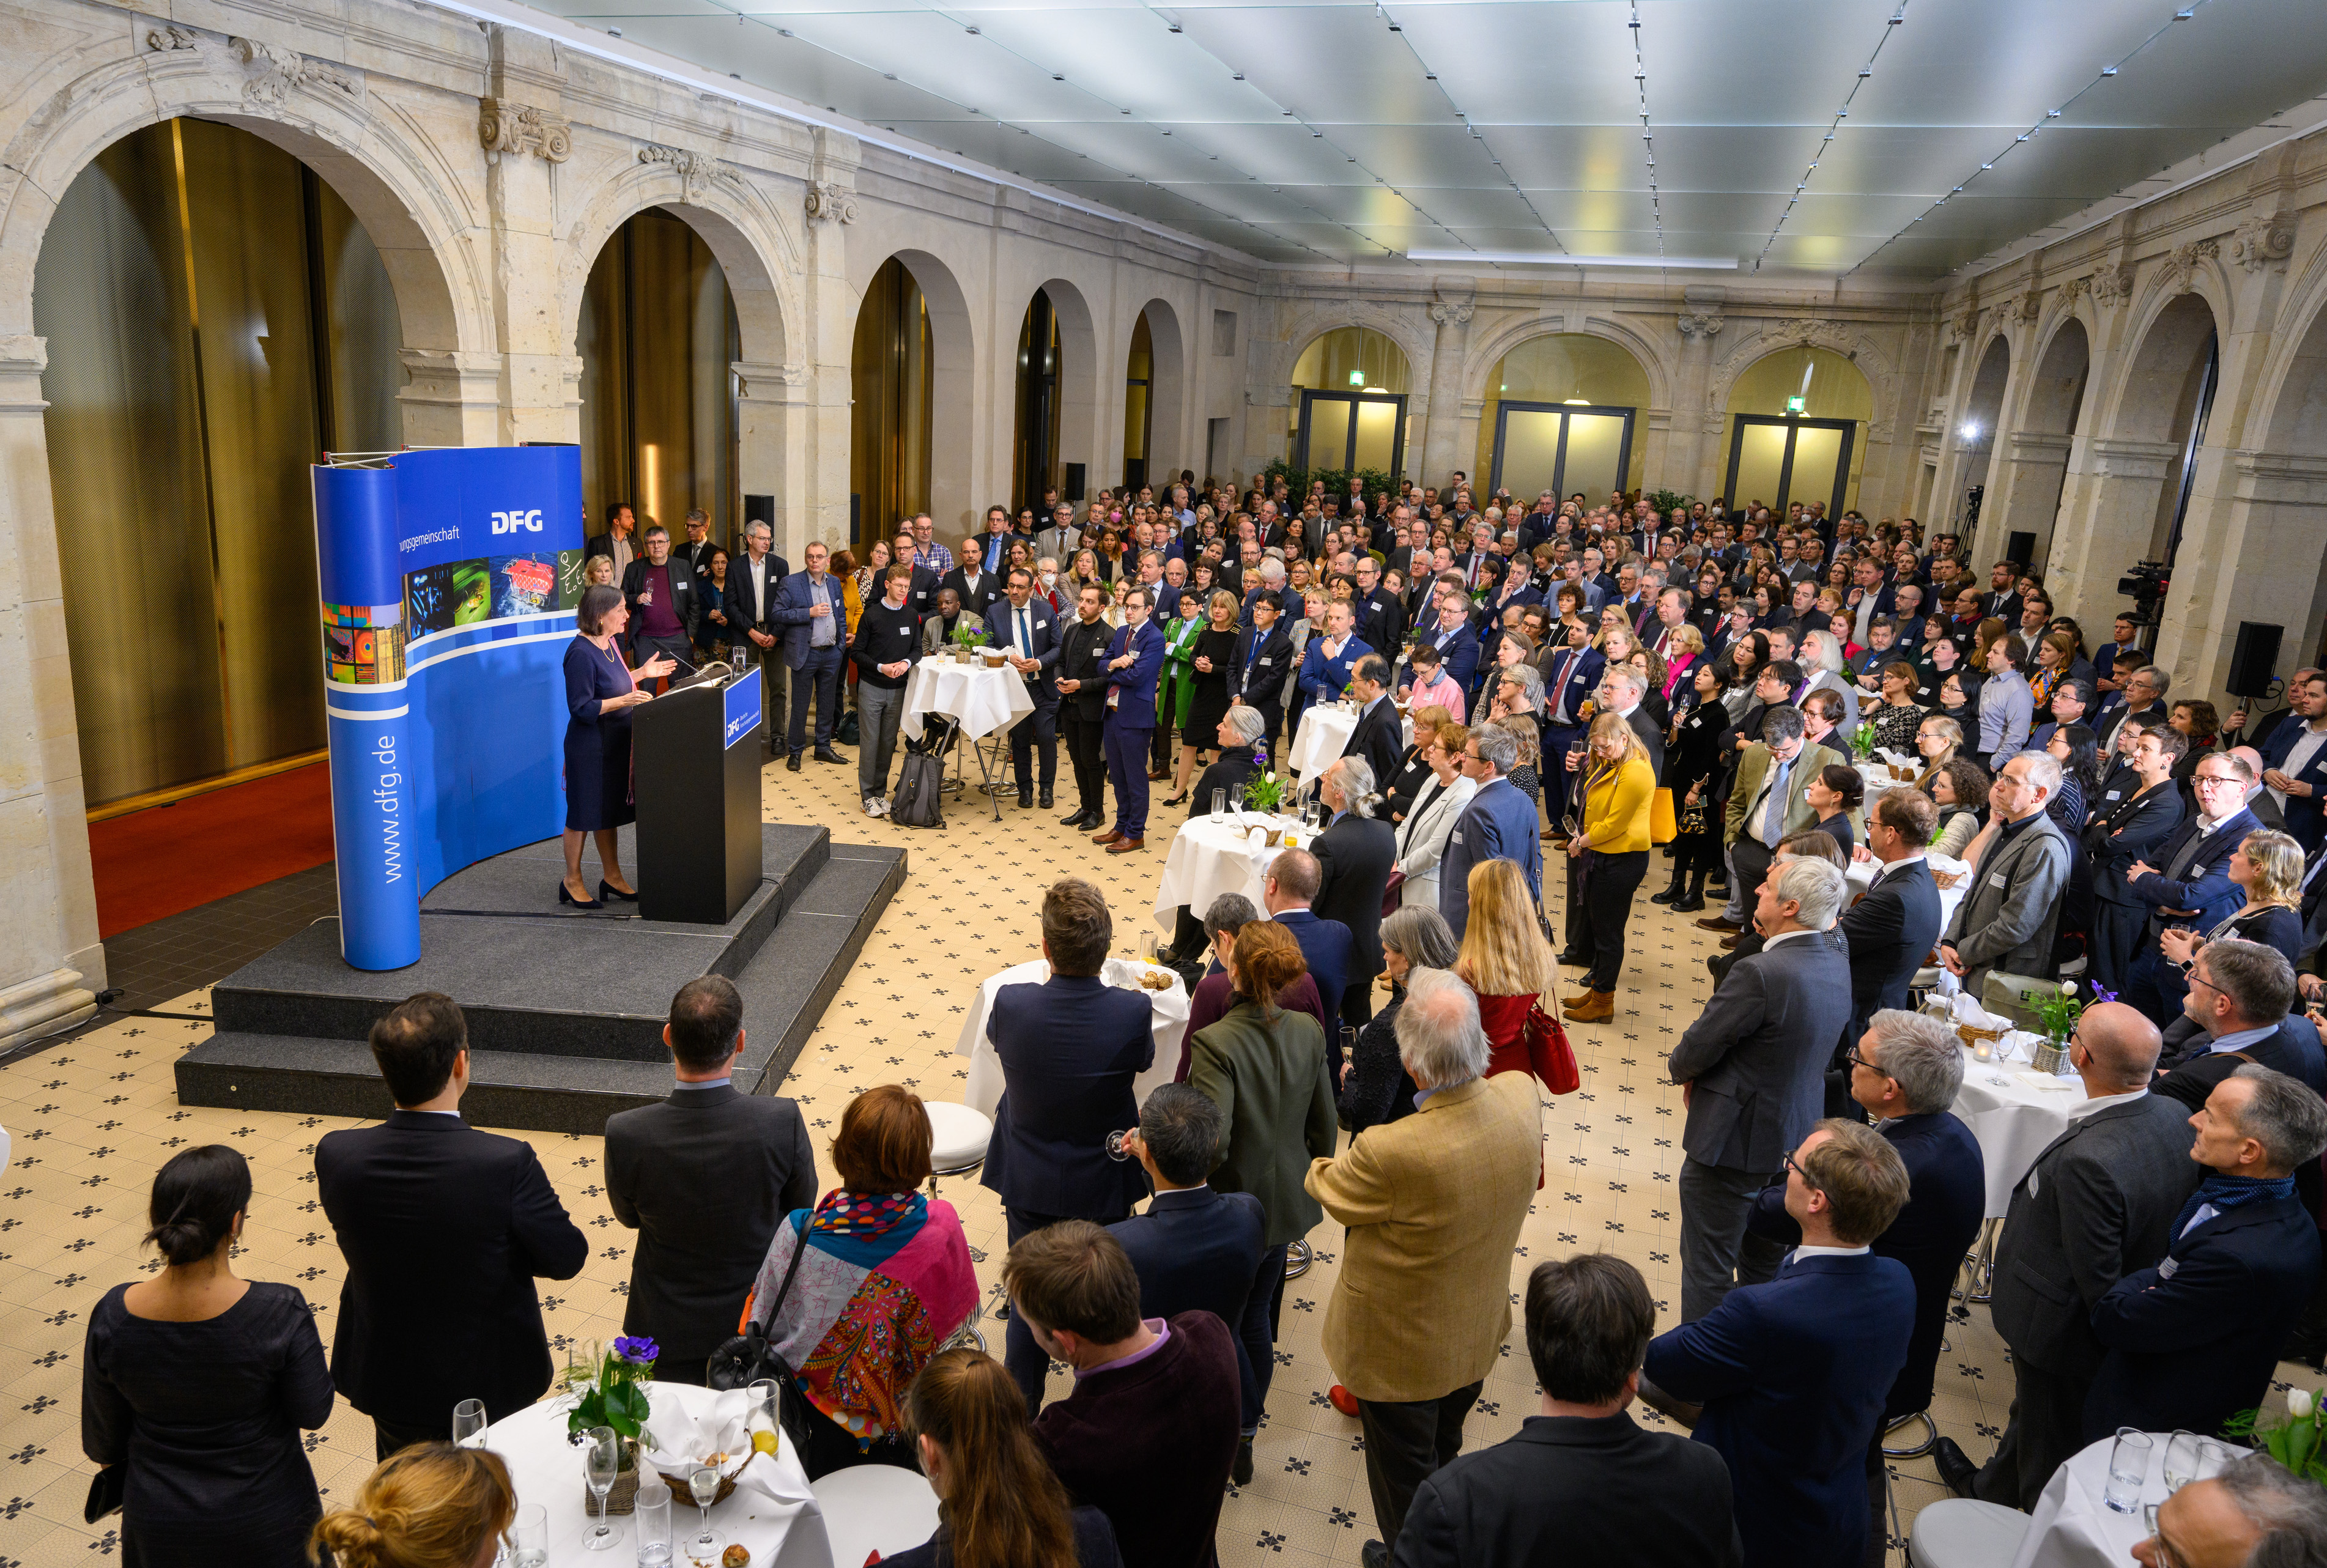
2058, 1011
1862, 742
2294, 1441
1265, 792
618, 1399
966, 639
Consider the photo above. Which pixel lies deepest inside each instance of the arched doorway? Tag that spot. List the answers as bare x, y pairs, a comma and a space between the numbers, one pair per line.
657, 337
1975, 434
217, 320
2037, 452
1798, 431
2168, 397
1349, 405
1152, 415
911, 394
1562, 413
1041, 400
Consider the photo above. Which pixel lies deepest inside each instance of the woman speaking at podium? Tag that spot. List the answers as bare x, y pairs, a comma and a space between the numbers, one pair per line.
601, 690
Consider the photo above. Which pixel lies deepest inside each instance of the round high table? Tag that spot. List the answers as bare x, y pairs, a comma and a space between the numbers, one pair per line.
2073, 1525
983, 1090
1324, 733
1211, 855
978, 699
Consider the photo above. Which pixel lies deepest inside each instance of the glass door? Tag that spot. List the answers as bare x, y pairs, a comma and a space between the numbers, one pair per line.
1778, 461
1562, 447
1348, 431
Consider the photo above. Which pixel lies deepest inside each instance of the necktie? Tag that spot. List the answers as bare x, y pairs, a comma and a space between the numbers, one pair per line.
1773, 819
1025, 640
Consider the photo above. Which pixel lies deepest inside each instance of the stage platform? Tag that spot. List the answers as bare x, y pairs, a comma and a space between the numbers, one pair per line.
565, 1007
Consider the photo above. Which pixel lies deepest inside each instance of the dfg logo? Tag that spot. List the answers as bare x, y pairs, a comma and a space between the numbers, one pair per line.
510, 522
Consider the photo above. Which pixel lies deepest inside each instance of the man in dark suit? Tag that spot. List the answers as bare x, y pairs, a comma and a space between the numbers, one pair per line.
755, 578
1448, 630
1499, 824
977, 587
1288, 894
1753, 1071
697, 547
1891, 928
1377, 737
665, 602
1080, 676
1355, 855
1197, 1249
2136, 814
704, 1178
2239, 1009
814, 624
1070, 1048
2194, 1339
2000, 601
2294, 758
1381, 615
1264, 652
1792, 1373
922, 595
2097, 1204
1134, 658
619, 543
1031, 631
2189, 887
445, 1229
2143, 698
1582, 1483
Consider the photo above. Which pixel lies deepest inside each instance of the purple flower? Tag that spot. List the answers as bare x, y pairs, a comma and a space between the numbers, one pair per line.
637, 1351
2101, 995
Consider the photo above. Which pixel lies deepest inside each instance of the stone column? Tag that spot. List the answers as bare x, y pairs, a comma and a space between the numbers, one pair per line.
2260, 516
775, 409
812, 483
524, 138
1693, 425
2108, 517
51, 961
1443, 448
2025, 493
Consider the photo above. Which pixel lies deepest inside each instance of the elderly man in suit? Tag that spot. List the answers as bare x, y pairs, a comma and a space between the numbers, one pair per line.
1792, 1373
2189, 886
1890, 929
1434, 1204
1198, 1248
1061, 539
1377, 737
665, 600
2254, 1511
2006, 921
1030, 630
2194, 1339
1070, 1048
704, 1178
1752, 1069
815, 625
441, 1226
1355, 855
1289, 892
1622, 687
1581, 1482
2239, 1009
753, 580
1499, 824
1134, 658
1769, 799
2098, 1205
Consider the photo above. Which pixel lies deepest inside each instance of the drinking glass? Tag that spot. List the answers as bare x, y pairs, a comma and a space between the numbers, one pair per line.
469, 1423
653, 1520
1219, 803
767, 1400
2128, 1468
529, 1536
1115, 1148
2181, 1464
2211, 1457
601, 1461
704, 1483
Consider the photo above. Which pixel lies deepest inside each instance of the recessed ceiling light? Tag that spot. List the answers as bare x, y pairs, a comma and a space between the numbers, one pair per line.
1055, 77
613, 32
971, 31
1864, 71
887, 75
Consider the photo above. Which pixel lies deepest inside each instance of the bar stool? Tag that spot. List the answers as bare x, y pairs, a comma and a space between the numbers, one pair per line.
1964, 1533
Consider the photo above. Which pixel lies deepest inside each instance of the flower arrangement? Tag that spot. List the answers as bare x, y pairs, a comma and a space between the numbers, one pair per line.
2293, 1442
2058, 1011
619, 1397
965, 635
1862, 742
1264, 791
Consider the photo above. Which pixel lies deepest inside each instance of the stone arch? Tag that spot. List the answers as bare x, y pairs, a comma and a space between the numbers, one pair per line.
2052, 397
1490, 351
1837, 337
1166, 388
1975, 431
1314, 322
2293, 410
1080, 393
2170, 343
952, 382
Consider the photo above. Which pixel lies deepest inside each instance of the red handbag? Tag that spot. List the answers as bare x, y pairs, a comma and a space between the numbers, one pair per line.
1549, 1056
1391, 898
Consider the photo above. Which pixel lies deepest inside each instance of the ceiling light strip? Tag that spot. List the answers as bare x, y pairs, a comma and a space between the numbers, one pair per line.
1430, 75
1897, 18
1647, 131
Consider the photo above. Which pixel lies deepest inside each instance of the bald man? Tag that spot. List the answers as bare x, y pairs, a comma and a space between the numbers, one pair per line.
2097, 1204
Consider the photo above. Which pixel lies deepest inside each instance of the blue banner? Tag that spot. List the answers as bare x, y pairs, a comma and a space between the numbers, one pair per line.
742, 698
449, 580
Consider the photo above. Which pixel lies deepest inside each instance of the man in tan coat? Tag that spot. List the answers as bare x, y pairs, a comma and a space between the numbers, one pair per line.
1433, 1203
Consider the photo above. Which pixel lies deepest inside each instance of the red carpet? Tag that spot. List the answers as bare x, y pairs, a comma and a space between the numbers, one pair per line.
168, 858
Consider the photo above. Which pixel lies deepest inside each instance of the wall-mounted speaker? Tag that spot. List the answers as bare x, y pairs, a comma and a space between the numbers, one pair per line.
2253, 659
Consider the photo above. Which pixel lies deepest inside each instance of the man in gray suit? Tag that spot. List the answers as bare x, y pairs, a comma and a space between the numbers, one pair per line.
1753, 1071
2007, 919
2097, 1204
1061, 539
704, 1178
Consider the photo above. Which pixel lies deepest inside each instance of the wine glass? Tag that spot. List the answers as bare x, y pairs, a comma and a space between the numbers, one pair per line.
767, 1401
601, 1461
2181, 1464
704, 1483
469, 1423
1115, 1148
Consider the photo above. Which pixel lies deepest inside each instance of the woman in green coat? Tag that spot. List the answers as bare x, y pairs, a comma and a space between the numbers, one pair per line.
1176, 689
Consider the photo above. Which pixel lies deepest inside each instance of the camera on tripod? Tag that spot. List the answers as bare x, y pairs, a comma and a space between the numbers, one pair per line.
2144, 584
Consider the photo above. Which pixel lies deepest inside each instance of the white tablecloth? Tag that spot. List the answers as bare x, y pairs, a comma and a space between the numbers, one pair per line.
545, 1469
1861, 875
2012, 1116
985, 1086
1211, 856
1324, 736
986, 701
2073, 1527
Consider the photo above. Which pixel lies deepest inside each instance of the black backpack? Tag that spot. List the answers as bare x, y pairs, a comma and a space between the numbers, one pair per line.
920, 799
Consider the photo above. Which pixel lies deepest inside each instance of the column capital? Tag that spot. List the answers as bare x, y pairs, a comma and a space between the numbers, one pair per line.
24, 360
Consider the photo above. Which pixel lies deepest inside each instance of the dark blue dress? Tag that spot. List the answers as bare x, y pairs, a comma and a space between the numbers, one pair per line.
597, 742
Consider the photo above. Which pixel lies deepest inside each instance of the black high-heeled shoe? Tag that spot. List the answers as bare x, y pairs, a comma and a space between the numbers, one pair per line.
1178, 800
565, 897
609, 894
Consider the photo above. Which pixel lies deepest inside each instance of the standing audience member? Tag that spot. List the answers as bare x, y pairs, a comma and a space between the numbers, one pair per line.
1375, 1087
1891, 927
1197, 1247
2098, 1205
808, 608
1607, 861
2267, 868
2129, 825
1752, 1069
1134, 658
1580, 1485
443, 1226
887, 642
1083, 705
1355, 855
1499, 824
1070, 1048
999, 1503
1327, 948
1149, 1433
884, 1279
1769, 799
2239, 1009
1031, 633
199, 1382
430, 1505
2190, 884
1434, 1204
2194, 1339
1437, 806
1215, 994
705, 1178
1792, 1373
2006, 921
1505, 961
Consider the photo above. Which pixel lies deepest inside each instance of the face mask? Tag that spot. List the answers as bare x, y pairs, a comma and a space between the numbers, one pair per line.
1049, 579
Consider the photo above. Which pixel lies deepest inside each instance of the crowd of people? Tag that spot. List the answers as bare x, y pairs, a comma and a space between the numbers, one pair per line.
1370, 1044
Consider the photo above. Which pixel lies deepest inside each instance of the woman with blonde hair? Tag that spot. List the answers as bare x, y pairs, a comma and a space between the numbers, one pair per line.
1606, 861
1938, 739
999, 1503
429, 1505
2268, 866
1683, 647
1504, 960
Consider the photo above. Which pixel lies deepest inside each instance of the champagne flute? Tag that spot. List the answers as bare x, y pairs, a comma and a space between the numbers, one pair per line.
767, 1400
469, 1423
704, 1483
602, 1458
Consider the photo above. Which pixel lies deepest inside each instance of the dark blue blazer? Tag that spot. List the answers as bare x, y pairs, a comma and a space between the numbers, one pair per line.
791, 611
2204, 884
1891, 931
1499, 824
1258, 674
2196, 1339
1792, 1375
1070, 1050
1946, 1194
1048, 634
1198, 1249
1323, 679
1136, 710
1458, 650
2306, 815
1582, 678
1333, 956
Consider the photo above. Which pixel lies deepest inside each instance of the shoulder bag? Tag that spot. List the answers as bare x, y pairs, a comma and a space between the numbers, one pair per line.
751, 1357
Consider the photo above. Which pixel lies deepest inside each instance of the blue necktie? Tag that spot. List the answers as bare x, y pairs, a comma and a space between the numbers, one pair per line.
1773, 820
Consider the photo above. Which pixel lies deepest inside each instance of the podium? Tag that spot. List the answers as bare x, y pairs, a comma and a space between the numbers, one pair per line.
694, 763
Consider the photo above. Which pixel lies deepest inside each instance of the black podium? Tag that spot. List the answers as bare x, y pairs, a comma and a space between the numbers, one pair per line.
694, 763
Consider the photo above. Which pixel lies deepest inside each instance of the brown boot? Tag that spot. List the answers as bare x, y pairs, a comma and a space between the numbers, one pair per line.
1599, 1007
1580, 999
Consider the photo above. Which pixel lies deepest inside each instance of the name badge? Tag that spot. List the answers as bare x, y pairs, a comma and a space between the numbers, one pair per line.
2167, 1267
1457, 837
1996, 881
1264, 663
2110, 796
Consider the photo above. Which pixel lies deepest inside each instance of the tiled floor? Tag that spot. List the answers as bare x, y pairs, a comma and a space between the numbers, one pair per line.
92, 1115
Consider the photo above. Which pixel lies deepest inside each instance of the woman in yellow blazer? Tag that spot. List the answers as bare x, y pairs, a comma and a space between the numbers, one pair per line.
1607, 858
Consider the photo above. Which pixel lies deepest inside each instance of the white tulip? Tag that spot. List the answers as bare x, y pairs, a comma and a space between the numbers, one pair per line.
2067, 987
2300, 1402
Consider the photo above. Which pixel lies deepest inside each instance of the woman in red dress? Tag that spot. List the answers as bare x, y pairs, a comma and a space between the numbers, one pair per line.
1504, 960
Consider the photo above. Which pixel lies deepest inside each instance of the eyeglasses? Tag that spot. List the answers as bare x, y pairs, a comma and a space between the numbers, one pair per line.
1795, 1166
1852, 1056
2218, 779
